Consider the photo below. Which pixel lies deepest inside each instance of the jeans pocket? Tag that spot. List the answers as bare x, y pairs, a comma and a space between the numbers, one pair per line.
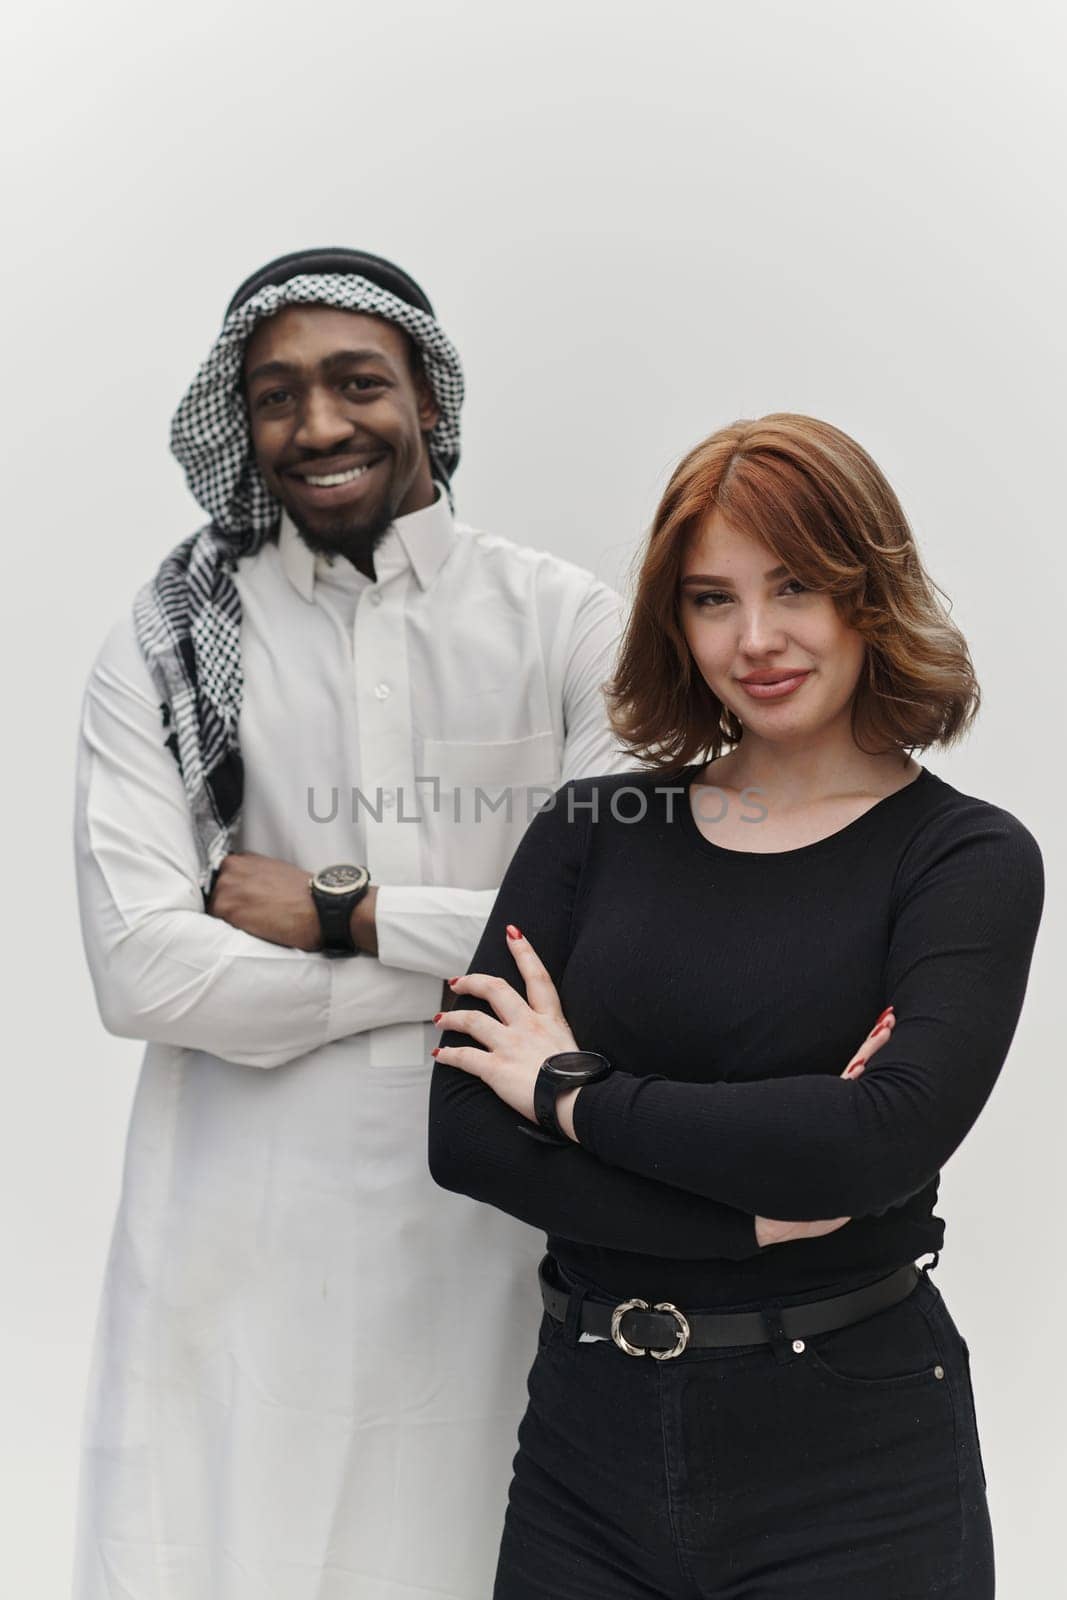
895, 1349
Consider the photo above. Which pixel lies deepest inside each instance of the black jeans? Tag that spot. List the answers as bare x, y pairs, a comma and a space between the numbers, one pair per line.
848, 1471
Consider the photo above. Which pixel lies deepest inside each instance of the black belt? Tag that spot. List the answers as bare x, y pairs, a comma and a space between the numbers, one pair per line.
662, 1331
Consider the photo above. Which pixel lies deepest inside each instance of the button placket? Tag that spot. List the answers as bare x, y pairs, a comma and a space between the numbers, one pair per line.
386, 758
385, 733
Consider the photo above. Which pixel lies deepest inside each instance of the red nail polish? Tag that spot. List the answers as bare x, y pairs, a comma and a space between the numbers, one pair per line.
513, 932
433, 1052
438, 1017
853, 1065
451, 981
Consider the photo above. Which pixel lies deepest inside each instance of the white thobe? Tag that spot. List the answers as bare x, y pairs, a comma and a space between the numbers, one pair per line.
309, 1364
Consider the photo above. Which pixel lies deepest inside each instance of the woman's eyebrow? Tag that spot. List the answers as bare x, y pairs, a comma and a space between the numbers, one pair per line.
711, 577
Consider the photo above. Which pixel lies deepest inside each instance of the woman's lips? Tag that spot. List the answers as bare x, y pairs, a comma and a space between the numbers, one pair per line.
774, 691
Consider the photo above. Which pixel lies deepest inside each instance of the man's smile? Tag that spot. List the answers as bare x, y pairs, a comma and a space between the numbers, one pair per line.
335, 478
333, 483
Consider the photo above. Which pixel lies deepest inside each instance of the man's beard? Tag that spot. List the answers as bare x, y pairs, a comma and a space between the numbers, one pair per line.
357, 540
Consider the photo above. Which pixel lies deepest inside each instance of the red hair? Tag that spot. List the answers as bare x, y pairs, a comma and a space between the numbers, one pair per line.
819, 502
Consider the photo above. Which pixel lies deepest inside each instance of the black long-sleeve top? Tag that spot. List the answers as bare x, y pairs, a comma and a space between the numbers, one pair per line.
730, 988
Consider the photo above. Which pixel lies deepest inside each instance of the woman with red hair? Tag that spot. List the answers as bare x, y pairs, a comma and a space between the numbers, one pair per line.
745, 1387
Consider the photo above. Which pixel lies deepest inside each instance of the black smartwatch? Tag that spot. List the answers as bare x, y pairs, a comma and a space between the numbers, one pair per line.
571, 1069
335, 890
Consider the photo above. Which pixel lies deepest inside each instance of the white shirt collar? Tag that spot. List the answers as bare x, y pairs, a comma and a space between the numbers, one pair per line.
420, 540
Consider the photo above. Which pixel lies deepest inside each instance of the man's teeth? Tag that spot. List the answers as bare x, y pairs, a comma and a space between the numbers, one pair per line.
334, 478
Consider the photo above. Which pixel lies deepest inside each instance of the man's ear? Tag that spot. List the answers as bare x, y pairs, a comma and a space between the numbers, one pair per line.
429, 410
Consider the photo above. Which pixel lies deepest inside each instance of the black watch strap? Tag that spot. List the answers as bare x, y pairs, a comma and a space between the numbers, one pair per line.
335, 920
546, 1092
335, 914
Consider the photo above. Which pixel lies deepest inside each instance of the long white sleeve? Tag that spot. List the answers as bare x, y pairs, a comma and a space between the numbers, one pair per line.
590, 749
435, 929
163, 969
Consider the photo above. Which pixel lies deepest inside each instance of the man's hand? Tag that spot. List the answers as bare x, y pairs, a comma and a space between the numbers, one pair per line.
267, 898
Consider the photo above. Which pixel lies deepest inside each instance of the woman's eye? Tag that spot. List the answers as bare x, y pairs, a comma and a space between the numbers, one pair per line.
714, 599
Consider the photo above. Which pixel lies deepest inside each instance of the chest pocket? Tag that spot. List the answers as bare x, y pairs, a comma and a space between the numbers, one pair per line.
489, 793
492, 766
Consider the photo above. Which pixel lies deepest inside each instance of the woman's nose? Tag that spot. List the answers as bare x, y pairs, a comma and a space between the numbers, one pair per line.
760, 633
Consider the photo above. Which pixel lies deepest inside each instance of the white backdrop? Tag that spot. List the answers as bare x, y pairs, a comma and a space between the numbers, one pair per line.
638, 223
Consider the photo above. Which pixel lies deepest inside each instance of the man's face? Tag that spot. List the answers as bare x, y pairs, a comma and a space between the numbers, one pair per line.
338, 418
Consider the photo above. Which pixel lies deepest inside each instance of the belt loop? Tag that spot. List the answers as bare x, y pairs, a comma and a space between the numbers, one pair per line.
572, 1321
771, 1314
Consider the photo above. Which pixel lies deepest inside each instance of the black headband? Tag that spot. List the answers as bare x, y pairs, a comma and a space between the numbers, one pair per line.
376, 269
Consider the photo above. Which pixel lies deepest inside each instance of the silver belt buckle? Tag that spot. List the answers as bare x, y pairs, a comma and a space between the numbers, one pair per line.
616, 1326
629, 1349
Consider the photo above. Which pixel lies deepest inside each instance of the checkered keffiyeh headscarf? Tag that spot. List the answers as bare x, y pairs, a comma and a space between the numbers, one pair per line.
188, 617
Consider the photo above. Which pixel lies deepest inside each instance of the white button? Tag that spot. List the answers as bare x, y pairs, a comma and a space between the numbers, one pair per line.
376, 597
939, 1372
798, 1347
382, 690
389, 800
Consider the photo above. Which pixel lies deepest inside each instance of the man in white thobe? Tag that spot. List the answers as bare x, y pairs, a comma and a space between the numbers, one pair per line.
309, 1364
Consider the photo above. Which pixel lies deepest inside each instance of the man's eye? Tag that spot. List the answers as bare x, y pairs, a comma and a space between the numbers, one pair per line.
272, 397
361, 383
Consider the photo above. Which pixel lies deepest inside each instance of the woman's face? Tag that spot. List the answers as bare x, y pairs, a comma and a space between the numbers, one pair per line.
746, 617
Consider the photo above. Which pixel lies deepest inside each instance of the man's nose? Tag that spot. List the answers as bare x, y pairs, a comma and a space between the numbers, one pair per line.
322, 423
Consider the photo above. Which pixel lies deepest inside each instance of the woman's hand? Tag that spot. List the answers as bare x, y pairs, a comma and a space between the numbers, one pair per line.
770, 1232
518, 1038
878, 1036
